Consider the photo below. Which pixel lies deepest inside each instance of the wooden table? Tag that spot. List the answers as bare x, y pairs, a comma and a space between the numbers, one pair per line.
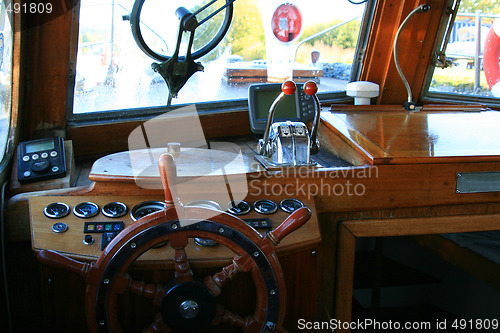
399, 137
381, 136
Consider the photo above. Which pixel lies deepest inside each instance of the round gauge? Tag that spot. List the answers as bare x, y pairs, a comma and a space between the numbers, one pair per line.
205, 242
238, 207
290, 205
265, 206
86, 210
145, 208
114, 209
205, 204
56, 210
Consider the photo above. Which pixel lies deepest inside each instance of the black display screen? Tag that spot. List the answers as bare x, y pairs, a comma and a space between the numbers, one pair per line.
262, 96
33, 147
286, 109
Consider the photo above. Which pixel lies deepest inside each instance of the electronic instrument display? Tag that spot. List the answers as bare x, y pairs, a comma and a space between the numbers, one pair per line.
296, 107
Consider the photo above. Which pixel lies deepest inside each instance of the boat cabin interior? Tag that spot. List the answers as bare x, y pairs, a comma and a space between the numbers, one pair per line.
250, 165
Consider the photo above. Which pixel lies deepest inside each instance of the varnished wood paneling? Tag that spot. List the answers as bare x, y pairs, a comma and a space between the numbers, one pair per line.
135, 313
351, 229
104, 138
47, 57
419, 137
423, 225
344, 278
468, 260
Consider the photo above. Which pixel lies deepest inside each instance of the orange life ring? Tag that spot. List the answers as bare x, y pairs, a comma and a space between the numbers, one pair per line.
491, 54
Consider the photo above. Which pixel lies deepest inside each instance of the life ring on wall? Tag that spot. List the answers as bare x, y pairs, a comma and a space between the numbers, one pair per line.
491, 54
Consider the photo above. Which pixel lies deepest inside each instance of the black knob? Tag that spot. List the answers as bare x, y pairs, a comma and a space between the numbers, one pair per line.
424, 8
88, 240
40, 166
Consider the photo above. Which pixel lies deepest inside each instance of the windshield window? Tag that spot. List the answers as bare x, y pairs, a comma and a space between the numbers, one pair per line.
265, 43
6, 42
472, 51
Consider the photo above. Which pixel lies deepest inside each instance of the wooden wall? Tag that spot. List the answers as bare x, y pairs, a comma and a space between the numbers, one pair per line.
46, 53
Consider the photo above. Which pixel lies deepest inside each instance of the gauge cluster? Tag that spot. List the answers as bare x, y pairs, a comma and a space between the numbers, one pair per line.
116, 209
94, 221
264, 206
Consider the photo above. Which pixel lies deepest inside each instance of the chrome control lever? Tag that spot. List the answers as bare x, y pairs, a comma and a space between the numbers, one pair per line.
288, 143
287, 88
311, 88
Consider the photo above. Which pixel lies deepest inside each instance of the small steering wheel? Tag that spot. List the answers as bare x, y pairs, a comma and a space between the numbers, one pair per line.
188, 305
174, 68
161, 48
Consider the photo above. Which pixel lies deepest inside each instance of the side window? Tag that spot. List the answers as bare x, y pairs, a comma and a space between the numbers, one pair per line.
318, 40
472, 48
6, 44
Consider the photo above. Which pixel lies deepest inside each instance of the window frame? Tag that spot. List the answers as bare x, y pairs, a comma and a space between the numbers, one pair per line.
443, 97
209, 107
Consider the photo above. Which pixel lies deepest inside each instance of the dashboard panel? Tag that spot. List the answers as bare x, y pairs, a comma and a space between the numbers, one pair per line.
81, 226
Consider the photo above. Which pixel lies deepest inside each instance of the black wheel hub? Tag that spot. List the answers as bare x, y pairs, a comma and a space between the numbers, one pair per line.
188, 307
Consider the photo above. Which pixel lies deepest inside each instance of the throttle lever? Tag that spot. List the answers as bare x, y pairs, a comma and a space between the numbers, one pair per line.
287, 88
311, 88
289, 143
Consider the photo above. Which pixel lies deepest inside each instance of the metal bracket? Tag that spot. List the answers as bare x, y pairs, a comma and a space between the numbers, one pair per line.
176, 73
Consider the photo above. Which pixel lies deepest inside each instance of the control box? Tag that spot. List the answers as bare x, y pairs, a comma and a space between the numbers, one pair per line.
41, 159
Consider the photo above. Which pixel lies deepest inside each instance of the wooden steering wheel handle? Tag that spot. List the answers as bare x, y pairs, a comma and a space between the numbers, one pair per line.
296, 220
59, 261
168, 175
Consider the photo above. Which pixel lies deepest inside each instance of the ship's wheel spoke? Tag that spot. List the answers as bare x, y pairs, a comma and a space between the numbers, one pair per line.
216, 282
155, 292
157, 326
223, 316
183, 272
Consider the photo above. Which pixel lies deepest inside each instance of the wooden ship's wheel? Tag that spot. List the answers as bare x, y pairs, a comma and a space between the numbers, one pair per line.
189, 304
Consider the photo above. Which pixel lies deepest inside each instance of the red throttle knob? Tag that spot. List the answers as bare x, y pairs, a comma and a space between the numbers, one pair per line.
288, 87
310, 88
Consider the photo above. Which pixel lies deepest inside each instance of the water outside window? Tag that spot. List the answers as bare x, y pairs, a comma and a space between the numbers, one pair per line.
112, 73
